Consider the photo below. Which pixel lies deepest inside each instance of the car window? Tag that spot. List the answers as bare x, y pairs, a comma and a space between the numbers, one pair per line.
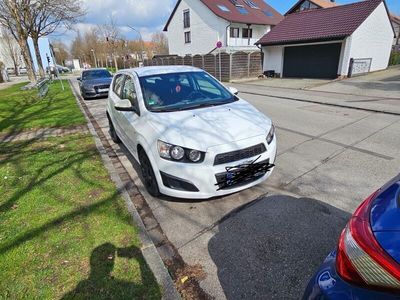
208, 86
186, 90
94, 74
129, 92
118, 81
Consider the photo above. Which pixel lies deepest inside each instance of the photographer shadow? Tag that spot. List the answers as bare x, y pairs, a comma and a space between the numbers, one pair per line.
101, 284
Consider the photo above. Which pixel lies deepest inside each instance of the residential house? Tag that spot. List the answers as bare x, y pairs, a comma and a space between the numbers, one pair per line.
302, 5
396, 25
332, 42
196, 26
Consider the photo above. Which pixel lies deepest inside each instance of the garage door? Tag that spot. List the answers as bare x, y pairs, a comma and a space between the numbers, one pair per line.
315, 61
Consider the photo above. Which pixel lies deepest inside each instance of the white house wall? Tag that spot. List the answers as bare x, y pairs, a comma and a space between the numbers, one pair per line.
373, 39
273, 58
205, 27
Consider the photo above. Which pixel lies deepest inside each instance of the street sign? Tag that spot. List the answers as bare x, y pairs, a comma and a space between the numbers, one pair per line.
219, 44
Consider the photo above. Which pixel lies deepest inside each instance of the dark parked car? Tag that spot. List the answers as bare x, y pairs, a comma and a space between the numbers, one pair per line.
95, 83
366, 263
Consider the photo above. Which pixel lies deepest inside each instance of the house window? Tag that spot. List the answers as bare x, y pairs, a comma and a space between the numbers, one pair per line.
188, 38
242, 10
234, 32
223, 8
247, 33
186, 18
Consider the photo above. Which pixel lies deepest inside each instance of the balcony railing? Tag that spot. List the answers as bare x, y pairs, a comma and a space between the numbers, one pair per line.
241, 42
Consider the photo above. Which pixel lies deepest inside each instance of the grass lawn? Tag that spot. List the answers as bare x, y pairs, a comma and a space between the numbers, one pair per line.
65, 232
23, 110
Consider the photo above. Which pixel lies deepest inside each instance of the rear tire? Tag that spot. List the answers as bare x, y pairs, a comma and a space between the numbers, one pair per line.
113, 133
149, 178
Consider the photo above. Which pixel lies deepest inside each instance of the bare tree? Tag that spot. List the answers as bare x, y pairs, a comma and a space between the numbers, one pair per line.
10, 49
160, 42
61, 52
13, 16
114, 39
46, 16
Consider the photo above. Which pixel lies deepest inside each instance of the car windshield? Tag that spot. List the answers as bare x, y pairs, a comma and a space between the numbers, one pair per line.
95, 74
181, 91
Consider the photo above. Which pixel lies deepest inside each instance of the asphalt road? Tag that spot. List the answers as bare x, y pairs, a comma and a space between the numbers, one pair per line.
267, 241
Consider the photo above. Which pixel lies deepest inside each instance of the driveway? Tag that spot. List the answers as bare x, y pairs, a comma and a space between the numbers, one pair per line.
383, 84
267, 241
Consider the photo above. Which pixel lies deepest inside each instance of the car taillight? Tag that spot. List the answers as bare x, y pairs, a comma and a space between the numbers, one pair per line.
360, 259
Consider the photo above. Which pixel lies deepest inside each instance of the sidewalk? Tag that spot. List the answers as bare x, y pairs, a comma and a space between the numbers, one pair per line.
14, 80
334, 98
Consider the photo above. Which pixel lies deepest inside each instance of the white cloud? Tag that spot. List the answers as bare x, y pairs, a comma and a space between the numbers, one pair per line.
147, 16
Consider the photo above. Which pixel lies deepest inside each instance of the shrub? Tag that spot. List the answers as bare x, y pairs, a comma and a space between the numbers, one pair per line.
394, 58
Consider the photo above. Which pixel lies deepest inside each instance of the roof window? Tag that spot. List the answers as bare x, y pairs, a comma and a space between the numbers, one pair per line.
223, 8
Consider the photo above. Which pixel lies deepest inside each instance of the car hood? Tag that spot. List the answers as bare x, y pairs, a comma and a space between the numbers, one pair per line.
97, 81
203, 128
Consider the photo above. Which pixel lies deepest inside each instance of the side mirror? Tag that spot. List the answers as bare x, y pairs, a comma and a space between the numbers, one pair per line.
79, 79
124, 105
233, 90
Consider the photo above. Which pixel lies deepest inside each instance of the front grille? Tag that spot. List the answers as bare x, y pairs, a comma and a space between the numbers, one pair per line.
102, 87
225, 158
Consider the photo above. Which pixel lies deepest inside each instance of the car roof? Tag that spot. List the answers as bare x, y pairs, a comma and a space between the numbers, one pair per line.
157, 70
94, 69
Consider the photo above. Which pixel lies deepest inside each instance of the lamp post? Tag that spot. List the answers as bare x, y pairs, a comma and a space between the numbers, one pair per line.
94, 56
141, 40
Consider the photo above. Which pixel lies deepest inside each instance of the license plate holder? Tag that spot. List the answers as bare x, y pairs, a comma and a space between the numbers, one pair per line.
242, 174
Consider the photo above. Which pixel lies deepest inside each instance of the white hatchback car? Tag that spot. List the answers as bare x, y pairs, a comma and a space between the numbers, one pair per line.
193, 137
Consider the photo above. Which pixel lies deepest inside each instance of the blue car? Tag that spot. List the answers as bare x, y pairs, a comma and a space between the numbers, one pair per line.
366, 263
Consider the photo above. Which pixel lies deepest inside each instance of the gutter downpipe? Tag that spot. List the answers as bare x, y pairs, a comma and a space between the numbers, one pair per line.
227, 34
262, 57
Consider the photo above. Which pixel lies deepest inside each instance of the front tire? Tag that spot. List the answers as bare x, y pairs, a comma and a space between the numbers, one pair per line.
149, 178
113, 133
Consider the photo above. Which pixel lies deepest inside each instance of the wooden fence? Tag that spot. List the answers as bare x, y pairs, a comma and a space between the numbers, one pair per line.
237, 65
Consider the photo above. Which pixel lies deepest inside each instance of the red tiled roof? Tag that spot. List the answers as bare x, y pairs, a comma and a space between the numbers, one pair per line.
265, 15
320, 24
319, 3
395, 18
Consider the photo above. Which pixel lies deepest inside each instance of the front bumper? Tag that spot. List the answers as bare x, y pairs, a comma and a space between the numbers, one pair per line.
203, 175
92, 94
326, 284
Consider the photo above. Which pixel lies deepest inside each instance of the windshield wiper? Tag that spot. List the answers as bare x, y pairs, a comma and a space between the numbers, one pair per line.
201, 105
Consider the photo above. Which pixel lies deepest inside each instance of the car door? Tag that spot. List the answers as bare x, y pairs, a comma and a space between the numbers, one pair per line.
114, 97
130, 119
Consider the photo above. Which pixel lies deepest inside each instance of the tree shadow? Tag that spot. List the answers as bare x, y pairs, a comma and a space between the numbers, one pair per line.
27, 107
271, 249
101, 284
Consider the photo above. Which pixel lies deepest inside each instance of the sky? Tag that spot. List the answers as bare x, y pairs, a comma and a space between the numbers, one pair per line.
149, 16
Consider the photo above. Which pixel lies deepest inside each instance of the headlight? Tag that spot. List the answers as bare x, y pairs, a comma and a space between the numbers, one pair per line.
271, 134
194, 155
178, 153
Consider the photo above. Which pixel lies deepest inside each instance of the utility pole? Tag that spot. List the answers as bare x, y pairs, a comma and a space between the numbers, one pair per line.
141, 41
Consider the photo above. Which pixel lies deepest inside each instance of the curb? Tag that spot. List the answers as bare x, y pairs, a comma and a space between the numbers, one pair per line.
385, 112
148, 248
